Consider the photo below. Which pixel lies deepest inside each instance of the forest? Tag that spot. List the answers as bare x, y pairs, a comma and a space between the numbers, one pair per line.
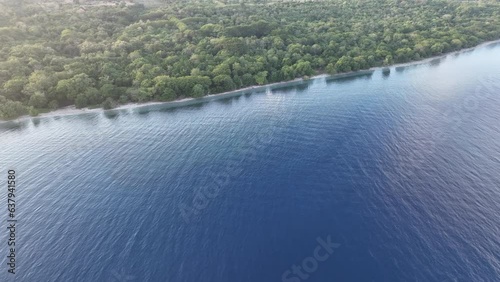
68, 53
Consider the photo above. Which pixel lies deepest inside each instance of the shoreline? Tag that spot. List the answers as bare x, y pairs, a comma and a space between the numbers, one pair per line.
72, 110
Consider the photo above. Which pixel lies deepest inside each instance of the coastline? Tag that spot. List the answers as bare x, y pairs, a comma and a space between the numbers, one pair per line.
72, 110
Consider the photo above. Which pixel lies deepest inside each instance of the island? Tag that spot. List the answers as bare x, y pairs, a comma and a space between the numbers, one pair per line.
56, 54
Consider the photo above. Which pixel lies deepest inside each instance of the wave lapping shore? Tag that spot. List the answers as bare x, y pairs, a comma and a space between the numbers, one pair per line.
72, 110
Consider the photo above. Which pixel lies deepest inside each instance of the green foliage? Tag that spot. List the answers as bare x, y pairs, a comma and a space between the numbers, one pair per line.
33, 112
38, 100
260, 77
344, 64
258, 29
330, 69
105, 55
53, 105
198, 91
108, 104
12, 89
74, 87
223, 83
169, 88
11, 109
247, 79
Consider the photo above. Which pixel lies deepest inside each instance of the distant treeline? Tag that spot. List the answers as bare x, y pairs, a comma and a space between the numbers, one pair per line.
109, 55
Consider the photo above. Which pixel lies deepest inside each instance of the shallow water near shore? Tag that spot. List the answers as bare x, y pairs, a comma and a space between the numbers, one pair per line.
71, 110
399, 169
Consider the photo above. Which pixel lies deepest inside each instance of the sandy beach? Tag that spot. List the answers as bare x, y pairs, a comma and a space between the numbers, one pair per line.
72, 110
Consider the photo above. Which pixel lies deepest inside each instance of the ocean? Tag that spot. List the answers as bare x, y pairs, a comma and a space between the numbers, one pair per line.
374, 177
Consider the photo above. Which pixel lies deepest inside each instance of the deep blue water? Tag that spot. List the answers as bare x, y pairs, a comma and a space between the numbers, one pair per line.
402, 171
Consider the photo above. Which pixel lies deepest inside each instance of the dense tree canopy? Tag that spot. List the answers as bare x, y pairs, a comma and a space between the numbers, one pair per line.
88, 55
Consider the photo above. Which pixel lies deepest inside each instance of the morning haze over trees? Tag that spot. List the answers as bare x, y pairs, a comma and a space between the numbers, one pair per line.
104, 53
